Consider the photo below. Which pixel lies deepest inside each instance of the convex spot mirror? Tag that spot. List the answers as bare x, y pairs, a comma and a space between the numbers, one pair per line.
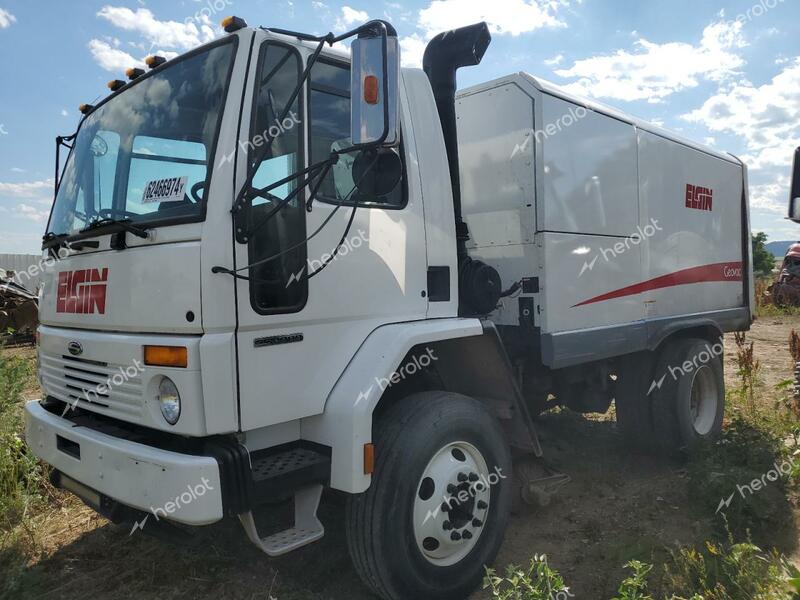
377, 173
794, 197
374, 83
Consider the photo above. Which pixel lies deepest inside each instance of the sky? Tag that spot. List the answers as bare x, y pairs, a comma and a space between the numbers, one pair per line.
725, 73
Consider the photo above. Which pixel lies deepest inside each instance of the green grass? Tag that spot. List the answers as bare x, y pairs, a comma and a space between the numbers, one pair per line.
23, 480
720, 571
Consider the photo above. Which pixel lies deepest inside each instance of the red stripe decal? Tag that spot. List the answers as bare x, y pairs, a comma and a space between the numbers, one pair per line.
727, 271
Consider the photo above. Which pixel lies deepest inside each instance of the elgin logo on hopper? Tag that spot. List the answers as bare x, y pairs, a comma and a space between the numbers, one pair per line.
699, 197
82, 292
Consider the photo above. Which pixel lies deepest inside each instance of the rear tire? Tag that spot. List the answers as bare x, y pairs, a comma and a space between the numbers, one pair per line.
396, 531
689, 406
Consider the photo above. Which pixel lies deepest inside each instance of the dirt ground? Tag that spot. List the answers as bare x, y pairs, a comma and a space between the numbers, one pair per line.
618, 506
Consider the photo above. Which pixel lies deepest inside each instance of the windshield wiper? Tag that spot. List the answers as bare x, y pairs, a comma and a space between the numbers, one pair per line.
125, 224
51, 235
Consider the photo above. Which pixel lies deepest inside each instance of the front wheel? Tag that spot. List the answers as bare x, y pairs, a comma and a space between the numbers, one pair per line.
438, 506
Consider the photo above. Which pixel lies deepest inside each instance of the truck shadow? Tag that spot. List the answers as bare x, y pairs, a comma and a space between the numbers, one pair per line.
619, 505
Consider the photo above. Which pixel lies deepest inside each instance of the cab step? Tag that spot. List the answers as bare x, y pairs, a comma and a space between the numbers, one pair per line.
307, 527
279, 473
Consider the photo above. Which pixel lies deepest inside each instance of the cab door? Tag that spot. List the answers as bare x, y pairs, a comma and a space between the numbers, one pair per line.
304, 308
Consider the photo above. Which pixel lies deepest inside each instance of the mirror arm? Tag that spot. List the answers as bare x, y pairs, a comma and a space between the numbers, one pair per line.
241, 199
61, 141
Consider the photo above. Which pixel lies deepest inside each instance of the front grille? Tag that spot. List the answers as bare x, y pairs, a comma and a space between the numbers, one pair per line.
76, 380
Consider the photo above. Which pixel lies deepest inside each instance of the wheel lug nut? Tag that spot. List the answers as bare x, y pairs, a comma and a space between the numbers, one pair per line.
451, 489
482, 505
473, 477
477, 523
462, 477
455, 536
447, 525
467, 535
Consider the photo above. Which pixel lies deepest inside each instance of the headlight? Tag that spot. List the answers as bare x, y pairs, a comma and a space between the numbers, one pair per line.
170, 400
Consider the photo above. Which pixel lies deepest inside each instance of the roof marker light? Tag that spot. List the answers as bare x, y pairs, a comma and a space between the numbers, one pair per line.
231, 24
133, 73
115, 84
86, 108
154, 61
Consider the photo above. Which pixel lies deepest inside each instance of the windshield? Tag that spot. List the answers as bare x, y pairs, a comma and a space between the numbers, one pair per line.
144, 154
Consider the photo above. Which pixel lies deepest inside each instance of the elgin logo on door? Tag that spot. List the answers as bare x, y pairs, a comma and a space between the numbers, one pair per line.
82, 292
699, 197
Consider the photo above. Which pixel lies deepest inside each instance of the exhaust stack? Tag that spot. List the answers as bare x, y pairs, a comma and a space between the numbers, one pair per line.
444, 55
479, 286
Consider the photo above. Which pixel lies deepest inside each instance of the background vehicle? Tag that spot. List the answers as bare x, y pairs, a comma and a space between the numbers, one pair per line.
220, 338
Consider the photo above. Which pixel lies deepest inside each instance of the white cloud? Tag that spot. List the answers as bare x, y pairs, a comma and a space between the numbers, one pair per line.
64, 112
512, 17
771, 197
6, 19
766, 117
17, 170
411, 50
112, 59
556, 60
654, 71
168, 34
351, 17
32, 213
30, 189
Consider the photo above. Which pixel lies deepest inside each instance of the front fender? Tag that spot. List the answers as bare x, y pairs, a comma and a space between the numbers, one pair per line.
346, 423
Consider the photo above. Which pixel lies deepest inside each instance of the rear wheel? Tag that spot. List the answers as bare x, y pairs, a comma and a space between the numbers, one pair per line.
689, 405
438, 505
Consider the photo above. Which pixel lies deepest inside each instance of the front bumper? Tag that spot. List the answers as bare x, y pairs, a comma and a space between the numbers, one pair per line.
177, 487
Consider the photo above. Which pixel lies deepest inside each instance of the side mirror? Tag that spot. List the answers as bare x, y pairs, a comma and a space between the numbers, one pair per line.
374, 84
377, 172
794, 196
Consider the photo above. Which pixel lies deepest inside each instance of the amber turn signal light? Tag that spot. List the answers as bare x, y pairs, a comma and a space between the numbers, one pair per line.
166, 356
85, 108
371, 89
115, 84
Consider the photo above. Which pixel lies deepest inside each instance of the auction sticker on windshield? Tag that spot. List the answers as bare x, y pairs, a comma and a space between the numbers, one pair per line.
170, 189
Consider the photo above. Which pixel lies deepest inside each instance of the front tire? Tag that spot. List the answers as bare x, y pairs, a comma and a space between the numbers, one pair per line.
439, 501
